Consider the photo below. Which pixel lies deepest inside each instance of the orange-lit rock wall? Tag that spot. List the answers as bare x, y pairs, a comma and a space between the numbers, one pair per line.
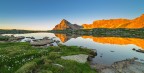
117, 23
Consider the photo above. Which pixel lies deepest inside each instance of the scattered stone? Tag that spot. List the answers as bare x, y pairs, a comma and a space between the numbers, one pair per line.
141, 59
139, 50
54, 44
81, 58
112, 51
27, 40
46, 38
57, 41
90, 58
133, 49
12, 36
51, 44
32, 38
93, 52
53, 37
20, 37
58, 65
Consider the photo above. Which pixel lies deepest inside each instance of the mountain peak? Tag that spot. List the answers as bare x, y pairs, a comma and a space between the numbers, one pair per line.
64, 24
142, 16
64, 21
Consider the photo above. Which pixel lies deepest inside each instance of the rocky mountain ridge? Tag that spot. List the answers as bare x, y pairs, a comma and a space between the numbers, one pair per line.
117, 23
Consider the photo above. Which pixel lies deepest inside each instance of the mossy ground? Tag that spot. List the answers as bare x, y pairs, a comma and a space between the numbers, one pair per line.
22, 58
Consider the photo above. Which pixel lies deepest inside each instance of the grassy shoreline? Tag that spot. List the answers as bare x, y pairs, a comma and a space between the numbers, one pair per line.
105, 32
15, 31
23, 58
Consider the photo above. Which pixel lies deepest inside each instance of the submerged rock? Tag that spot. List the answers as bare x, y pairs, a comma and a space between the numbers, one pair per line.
133, 49
139, 50
81, 58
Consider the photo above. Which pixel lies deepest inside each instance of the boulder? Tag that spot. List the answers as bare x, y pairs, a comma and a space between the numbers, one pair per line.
93, 53
46, 38
30, 37
54, 44
81, 58
20, 37
27, 40
133, 49
42, 42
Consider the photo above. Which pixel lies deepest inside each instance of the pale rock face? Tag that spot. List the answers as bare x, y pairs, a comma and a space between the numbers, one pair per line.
64, 24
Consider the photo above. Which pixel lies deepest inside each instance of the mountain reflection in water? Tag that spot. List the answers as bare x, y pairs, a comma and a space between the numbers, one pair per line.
105, 40
64, 38
109, 49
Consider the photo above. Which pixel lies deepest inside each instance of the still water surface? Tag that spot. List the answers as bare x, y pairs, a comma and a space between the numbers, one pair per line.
109, 49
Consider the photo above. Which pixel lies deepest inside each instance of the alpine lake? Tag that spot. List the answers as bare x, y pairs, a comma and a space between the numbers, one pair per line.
109, 49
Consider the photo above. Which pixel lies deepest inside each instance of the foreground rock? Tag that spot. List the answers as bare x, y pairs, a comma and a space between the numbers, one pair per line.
27, 40
12, 38
81, 58
125, 66
41, 42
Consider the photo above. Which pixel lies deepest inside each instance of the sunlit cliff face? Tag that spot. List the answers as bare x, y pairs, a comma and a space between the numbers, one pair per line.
117, 23
62, 26
117, 40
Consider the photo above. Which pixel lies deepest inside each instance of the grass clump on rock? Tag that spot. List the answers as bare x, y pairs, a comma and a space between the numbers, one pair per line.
29, 67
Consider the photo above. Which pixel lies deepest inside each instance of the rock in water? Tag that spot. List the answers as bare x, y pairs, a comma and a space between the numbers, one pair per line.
26, 40
81, 58
55, 44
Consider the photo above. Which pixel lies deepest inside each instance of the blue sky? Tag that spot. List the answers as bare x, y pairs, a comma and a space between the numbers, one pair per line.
45, 14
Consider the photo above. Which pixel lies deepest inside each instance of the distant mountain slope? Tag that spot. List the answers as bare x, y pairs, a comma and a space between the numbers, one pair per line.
64, 24
117, 23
